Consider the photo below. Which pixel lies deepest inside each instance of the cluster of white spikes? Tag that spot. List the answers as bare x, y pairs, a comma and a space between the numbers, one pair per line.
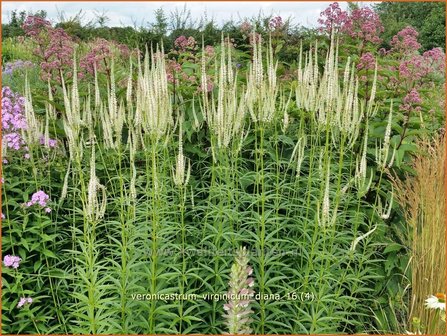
262, 88
335, 104
153, 111
225, 116
181, 175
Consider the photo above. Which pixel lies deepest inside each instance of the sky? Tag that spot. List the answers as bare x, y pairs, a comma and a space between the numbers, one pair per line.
127, 13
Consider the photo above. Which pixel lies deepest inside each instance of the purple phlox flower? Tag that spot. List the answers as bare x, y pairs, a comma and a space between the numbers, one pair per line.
40, 198
10, 67
23, 301
12, 261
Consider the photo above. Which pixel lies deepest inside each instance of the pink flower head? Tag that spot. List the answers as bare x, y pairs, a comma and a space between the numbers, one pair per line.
209, 51
276, 23
100, 51
13, 119
182, 43
56, 52
33, 25
415, 67
364, 24
12, 261
435, 59
14, 140
366, 62
23, 301
173, 70
40, 198
333, 18
412, 97
406, 41
410, 100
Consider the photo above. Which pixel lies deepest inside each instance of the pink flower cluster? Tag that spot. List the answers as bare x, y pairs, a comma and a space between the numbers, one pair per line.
14, 141
12, 261
33, 25
39, 197
276, 23
435, 59
362, 23
54, 47
245, 28
23, 301
410, 100
367, 61
412, 68
58, 55
412, 97
209, 51
333, 17
174, 73
101, 51
182, 43
435, 54
406, 41
415, 67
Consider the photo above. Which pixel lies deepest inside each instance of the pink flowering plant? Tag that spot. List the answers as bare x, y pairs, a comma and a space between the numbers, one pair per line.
53, 48
99, 55
183, 62
360, 24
